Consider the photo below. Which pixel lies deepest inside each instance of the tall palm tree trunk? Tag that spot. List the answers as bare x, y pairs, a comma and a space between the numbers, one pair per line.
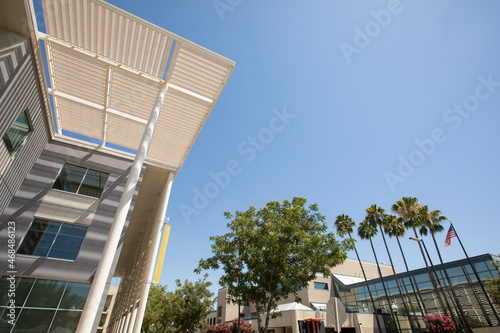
397, 282
368, 287
431, 276
383, 283
418, 297
469, 329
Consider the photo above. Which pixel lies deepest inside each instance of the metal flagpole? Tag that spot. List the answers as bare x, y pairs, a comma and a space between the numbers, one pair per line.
477, 276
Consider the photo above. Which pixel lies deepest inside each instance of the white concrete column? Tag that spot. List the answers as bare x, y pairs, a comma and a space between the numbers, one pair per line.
127, 321
120, 324
97, 288
159, 218
133, 319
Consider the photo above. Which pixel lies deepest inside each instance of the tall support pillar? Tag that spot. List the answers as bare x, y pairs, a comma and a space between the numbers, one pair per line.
132, 319
91, 307
159, 218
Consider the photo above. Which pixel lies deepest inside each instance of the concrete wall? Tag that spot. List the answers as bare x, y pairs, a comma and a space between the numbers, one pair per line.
487, 330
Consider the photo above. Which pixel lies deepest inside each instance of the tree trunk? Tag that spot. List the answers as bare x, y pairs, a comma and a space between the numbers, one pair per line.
469, 329
383, 283
418, 297
397, 281
368, 288
259, 319
431, 277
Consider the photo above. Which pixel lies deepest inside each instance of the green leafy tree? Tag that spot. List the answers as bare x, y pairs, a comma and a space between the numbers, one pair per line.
271, 253
192, 304
493, 285
183, 310
158, 314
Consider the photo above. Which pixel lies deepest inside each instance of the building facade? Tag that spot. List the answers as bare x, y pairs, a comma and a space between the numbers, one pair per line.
92, 140
314, 300
417, 290
343, 300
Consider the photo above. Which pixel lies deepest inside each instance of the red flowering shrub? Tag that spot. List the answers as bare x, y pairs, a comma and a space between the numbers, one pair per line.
244, 327
222, 328
439, 324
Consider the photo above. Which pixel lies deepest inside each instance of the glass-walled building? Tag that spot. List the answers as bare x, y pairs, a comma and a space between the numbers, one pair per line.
419, 292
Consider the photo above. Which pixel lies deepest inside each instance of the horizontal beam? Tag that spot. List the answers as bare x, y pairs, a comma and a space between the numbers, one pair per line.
105, 61
190, 93
97, 106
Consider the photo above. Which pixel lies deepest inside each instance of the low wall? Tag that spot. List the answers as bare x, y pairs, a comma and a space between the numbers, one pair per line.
487, 330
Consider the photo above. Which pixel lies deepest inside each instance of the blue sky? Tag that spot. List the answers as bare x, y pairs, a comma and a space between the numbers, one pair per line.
347, 104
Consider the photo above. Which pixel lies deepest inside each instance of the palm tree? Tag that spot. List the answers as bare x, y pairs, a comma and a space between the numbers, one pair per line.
394, 228
382, 220
431, 223
408, 209
345, 224
367, 230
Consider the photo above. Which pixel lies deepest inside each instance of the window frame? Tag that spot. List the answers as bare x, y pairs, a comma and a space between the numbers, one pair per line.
58, 309
53, 242
23, 141
324, 284
81, 181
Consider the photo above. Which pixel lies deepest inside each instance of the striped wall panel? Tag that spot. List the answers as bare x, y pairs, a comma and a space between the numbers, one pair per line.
10, 58
20, 91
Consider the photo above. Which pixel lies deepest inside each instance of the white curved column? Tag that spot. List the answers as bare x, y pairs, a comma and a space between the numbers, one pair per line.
91, 307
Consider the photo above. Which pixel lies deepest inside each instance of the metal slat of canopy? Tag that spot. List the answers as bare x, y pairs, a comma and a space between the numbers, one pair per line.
106, 67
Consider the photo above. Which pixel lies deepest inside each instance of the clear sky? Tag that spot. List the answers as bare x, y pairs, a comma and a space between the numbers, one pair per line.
347, 104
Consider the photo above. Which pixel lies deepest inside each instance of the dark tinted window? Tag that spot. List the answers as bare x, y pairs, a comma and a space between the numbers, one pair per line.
53, 239
80, 180
16, 134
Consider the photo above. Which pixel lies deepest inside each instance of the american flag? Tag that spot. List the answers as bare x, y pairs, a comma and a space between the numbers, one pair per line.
451, 233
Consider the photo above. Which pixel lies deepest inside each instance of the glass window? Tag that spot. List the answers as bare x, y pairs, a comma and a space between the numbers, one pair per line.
320, 285
53, 239
65, 322
75, 296
6, 318
60, 300
22, 288
80, 180
46, 294
33, 321
481, 266
15, 135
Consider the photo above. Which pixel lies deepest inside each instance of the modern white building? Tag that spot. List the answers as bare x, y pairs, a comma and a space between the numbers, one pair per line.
92, 141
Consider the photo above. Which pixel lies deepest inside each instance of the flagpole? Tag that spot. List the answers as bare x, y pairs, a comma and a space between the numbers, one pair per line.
477, 276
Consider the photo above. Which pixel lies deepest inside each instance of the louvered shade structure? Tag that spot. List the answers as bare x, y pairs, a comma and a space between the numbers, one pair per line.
106, 68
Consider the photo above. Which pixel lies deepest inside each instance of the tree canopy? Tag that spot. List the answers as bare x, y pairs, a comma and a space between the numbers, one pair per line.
182, 310
493, 287
273, 252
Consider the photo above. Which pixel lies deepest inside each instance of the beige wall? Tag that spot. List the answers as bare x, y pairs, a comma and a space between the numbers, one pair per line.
351, 267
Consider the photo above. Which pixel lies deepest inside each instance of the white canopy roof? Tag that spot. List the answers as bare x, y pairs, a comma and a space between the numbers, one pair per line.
292, 306
347, 279
106, 67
